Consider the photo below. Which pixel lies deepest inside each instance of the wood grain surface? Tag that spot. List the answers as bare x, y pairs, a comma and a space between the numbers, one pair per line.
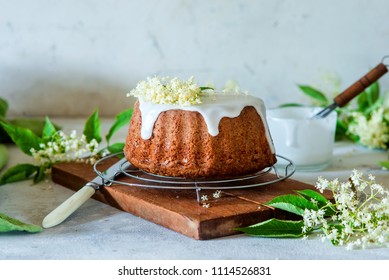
179, 210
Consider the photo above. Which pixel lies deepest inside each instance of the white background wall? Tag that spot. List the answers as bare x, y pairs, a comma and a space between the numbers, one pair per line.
69, 57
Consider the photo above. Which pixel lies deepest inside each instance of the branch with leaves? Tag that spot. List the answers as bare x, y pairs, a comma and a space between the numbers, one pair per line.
358, 217
55, 146
48, 145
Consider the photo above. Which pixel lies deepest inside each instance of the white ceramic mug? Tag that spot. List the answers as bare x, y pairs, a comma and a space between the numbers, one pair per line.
307, 142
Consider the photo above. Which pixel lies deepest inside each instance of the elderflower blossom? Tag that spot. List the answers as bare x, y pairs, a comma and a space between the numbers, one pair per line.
232, 87
217, 194
359, 217
372, 132
65, 148
163, 90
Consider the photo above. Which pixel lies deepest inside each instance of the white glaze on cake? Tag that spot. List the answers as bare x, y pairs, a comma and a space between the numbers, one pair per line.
213, 109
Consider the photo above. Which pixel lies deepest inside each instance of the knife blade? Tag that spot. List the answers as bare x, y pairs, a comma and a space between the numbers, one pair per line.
63, 211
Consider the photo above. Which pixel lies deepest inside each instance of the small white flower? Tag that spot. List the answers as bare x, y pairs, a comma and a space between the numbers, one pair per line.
217, 194
204, 197
322, 184
73, 134
314, 201
356, 177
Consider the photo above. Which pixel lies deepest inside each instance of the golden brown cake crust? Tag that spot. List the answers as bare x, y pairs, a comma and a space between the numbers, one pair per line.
181, 146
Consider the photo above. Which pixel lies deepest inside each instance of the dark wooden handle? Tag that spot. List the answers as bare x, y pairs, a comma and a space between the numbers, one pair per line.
359, 86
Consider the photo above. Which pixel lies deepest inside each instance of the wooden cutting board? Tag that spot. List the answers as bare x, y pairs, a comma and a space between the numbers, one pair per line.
178, 209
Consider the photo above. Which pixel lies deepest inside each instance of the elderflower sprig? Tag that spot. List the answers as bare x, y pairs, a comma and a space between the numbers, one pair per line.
166, 90
356, 217
173, 91
61, 147
371, 131
56, 146
361, 216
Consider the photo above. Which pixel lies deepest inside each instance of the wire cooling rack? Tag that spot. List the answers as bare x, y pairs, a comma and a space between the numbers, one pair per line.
139, 178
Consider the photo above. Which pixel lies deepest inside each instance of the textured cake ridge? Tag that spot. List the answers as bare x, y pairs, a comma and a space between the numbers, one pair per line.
181, 145
213, 109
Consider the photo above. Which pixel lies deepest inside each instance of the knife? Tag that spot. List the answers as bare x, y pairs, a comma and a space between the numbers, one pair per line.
63, 211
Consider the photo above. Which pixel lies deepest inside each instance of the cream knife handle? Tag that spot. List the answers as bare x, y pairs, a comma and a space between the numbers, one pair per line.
59, 214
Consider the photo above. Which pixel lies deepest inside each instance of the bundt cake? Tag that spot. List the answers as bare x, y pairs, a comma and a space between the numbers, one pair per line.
226, 135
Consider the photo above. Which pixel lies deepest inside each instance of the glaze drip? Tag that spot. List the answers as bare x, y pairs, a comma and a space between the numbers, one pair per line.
213, 109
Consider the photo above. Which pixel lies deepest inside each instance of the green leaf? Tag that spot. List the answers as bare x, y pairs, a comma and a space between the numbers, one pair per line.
4, 156
40, 174
206, 88
353, 137
341, 129
121, 120
386, 116
48, 129
368, 98
373, 107
3, 107
35, 125
290, 105
92, 128
384, 164
23, 137
275, 228
292, 203
11, 224
4, 138
19, 172
362, 101
322, 202
373, 93
315, 94
116, 148
329, 210
311, 194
